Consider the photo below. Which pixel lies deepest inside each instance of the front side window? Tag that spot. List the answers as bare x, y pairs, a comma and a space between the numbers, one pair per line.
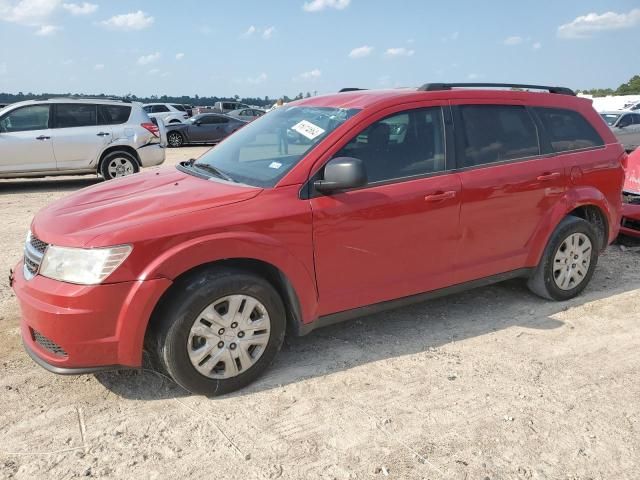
34, 117
610, 118
568, 130
636, 118
402, 145
179, 107
265, 150
495, 133
75, 115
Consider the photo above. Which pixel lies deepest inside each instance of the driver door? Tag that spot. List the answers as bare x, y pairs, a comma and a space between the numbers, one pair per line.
398, 235
26, 140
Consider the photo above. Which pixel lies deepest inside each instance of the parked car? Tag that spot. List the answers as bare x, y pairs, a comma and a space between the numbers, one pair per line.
225, 107
3, 105
403, 196
203, 128
630, 224
633, 106
167, 112
70, 136
247, 114
625, 126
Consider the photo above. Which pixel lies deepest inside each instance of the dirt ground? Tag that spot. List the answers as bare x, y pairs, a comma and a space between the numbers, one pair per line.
491, 384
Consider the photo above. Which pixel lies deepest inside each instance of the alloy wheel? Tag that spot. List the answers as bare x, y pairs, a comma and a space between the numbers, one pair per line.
120, 167
572, 260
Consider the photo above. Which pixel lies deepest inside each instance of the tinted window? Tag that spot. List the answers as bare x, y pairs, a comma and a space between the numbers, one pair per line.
113, 114
35, 117
178, 107
610, 118
402, 145
147, 108
206, 119
75, 115
636, 119
494, 133
568, 130
160, 109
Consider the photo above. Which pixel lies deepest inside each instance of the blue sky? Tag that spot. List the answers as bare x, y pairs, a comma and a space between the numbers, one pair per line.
258, 47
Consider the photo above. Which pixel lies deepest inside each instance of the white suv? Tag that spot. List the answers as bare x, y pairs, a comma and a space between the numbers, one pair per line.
69, 136
167, 112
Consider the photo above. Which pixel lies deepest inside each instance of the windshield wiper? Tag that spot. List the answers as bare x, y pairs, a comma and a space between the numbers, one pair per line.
211, 169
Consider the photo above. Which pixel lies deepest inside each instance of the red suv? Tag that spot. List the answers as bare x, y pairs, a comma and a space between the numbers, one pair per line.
325, 209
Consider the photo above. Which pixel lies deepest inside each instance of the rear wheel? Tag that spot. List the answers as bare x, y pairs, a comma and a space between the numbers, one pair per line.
118, 164
175, 139
568, 262
219, 331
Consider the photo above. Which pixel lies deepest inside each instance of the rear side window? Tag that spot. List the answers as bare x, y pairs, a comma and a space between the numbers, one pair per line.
34, 117
495, 133
113, 114
160, 109
178, 107
568, 130
75, 115
636, 119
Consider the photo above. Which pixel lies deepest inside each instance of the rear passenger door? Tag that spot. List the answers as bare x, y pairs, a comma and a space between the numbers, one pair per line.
508, 186
77, 138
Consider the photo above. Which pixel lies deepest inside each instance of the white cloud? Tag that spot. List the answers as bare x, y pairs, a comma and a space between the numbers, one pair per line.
84, 8
179, 56
536, 46
361, 52
154, 71
147, 59
512, 41
47, 30
586, 25
452, 37
399, 52
130, 21
319, 5
310, 75
27, 12
250, 31
257, 80
268, 32
67, 62
98, 67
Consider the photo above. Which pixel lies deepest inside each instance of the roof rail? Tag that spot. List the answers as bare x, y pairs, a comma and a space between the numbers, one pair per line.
350, 89
432, 87
82, 97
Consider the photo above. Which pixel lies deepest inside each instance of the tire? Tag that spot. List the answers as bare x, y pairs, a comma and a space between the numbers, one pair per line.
118, 164
556, 277
199, 317
175, 139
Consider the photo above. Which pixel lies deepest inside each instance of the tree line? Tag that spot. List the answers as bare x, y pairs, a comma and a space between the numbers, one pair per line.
632, 87
195, 100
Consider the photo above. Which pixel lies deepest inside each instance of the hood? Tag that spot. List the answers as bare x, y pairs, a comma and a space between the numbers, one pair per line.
632, 173
131, 201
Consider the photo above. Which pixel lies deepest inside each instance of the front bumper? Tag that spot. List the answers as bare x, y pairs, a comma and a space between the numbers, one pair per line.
151, 155
85, 328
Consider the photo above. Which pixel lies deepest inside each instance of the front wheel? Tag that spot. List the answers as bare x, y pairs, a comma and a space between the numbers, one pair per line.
568, 262
118, 164
219, 331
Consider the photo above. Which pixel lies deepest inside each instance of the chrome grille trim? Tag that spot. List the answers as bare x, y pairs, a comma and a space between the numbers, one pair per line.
34, 250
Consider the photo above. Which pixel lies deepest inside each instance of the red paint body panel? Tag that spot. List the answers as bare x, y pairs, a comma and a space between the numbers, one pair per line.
631, 211
337, 252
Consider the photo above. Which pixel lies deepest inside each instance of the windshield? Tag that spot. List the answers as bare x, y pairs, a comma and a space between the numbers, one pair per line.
610, 118
262, 152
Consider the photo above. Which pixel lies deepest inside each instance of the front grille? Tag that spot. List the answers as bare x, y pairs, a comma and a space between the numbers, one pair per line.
47, 344
34, 249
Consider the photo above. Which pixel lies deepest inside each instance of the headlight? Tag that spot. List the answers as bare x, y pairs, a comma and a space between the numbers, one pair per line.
86, 266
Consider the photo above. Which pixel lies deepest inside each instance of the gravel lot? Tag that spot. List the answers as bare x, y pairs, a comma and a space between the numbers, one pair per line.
490, 384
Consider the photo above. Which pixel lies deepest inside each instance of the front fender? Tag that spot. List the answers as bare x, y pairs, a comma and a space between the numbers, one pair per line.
574, 198
239, 245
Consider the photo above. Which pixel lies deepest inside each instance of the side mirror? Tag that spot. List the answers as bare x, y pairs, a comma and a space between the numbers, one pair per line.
342, 173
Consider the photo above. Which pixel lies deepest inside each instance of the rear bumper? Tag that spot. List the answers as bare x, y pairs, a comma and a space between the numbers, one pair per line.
630, 224
72, 329
151, 155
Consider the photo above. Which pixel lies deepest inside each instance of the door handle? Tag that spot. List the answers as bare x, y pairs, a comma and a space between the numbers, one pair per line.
43, 137
103, 134
545, 177
438, 197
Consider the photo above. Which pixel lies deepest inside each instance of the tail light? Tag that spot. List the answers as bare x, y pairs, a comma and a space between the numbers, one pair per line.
151, 127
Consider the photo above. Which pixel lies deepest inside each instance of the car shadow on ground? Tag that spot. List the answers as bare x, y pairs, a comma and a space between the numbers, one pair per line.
38, 185
423, 327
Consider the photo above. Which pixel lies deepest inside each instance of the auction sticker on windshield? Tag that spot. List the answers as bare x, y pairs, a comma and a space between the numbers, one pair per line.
308, 129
